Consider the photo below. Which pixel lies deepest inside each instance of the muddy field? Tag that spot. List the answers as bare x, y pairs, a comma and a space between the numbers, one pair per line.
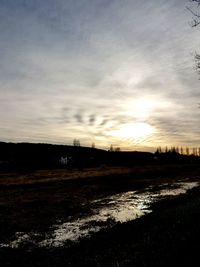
163, 232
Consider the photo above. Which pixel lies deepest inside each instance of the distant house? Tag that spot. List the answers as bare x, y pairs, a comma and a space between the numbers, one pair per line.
64, 161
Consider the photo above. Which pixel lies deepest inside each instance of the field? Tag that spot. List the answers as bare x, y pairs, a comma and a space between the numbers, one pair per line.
34, 201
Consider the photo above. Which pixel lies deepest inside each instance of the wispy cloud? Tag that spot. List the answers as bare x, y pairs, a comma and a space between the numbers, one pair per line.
80, 68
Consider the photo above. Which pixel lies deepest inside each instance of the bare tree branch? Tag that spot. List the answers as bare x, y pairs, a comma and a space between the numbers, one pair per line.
193, 13
197, 59
197, 1
196, 19
194, 23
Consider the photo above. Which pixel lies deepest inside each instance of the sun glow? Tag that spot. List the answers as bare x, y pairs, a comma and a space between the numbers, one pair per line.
143, 108
134, 131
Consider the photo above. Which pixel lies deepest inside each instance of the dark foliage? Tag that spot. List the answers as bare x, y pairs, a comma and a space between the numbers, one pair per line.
25, 157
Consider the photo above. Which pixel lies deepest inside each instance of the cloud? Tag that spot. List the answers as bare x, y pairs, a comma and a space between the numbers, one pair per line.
79, 68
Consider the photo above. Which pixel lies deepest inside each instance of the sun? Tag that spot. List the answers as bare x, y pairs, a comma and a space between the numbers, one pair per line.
134, 131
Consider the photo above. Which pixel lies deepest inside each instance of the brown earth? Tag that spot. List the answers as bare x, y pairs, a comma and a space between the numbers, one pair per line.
34, 201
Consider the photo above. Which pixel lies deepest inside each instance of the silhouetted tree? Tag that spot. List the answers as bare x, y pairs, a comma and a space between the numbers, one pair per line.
173, 149
76, 142
181, 151
194, 150
177, 150
194, 23
159, 150
196, 15
111, 148
93, 145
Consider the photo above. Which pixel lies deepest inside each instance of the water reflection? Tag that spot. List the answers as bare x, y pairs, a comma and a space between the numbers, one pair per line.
106, 212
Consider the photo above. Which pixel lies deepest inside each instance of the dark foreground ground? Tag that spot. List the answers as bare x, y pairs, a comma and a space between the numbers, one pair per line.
169, 236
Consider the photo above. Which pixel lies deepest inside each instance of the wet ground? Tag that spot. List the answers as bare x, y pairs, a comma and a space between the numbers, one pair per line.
75, 218
103, 213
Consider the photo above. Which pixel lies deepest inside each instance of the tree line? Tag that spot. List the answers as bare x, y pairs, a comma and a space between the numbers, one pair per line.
195, 151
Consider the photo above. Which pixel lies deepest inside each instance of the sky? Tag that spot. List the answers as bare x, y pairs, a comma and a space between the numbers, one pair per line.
104, 72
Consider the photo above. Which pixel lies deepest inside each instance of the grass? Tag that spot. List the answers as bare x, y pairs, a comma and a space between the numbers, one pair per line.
60, 175
167, 237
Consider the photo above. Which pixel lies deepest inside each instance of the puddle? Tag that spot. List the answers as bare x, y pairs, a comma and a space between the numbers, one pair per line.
106, 212
183, 188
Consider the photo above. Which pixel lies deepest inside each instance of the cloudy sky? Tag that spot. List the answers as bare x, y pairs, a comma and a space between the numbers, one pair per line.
118, 72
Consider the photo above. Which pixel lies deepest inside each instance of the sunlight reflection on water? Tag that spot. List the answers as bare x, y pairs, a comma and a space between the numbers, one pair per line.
118, 208
106, 212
